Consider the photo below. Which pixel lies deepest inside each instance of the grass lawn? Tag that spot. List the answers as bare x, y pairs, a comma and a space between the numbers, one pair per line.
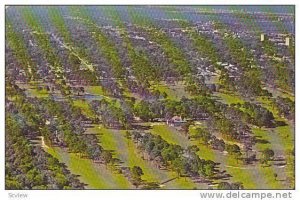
263, 137
230, 98
205, 151
267, 103
267, 172
171, 93
288, 95
97, 90
171, 135
38, 93
240, 175
285, 134
94, 175
254, 177
126, 151
85, 107
174, 92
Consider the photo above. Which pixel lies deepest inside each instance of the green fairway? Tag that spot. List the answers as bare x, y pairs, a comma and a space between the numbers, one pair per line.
174, 92
263, 138
38, 93
284, 137
94, 175
229, 98
126, 151
153, 97
84, 107
239, 174
266, 140
267, 103
97, 90
170, 134
205, 151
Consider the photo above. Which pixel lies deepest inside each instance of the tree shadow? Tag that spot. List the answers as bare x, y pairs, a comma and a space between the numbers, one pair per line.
258, 139
279, 123
140, 127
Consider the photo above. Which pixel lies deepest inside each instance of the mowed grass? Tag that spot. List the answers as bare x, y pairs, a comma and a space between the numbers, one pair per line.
268, 172
169, 134
171, 94
288, 95
240, 174
268, 104
38, 93
84, 107
205, 152
263, 139
286, 135
251, 179
230, 98
175, 137
94, 175
174, 92
127, 152
97, 90
32, 89
228, 163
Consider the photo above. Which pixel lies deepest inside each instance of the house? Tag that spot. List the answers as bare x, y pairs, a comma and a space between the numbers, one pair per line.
175, 121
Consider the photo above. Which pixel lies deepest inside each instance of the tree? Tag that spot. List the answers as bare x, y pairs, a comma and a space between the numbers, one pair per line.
209, 169
137, 172
61, 180
224, 186
178, 166
267, 155
202, 134
107, 157
237, 186
186, 128
193, 148
127, 136
234, 150
144, 111
151, 186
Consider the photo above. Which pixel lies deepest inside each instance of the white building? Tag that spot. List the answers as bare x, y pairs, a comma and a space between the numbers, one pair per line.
287, 41
262, 37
